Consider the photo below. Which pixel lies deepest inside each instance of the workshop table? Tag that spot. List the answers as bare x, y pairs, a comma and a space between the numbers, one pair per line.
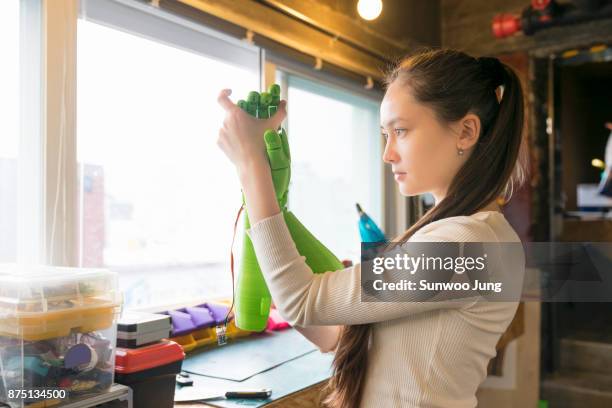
283, 361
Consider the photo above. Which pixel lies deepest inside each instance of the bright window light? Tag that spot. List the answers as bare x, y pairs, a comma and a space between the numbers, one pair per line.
9, 127
336, 159
158, 197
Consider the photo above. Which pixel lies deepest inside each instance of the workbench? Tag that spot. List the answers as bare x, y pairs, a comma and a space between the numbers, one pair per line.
284, 361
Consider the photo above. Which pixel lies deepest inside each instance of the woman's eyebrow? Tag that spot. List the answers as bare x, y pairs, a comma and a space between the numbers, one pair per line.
392, 121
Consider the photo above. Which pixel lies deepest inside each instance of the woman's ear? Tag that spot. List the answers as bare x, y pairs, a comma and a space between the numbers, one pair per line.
469, 131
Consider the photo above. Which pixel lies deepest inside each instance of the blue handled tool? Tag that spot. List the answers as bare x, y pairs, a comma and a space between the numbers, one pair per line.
368, 229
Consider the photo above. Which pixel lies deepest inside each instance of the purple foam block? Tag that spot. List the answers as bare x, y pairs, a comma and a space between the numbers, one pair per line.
201, 316
218, 311
181, 323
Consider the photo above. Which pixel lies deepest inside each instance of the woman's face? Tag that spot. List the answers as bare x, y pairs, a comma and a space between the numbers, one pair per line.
422, 153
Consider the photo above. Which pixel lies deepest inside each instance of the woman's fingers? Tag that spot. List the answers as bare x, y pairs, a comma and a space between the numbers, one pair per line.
242, 135
282, 106
224, 100
280, 115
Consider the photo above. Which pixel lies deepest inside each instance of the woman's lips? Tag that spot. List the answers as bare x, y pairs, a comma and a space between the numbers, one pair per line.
399, 176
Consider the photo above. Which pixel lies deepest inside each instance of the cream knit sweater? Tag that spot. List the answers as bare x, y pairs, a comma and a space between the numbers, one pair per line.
422, 354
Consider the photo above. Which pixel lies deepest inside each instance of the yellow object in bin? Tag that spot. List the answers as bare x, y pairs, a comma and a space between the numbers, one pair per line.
205, 336
187, 342
41, 326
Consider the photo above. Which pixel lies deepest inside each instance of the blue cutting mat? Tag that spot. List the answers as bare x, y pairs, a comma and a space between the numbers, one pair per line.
285, 379
244, 357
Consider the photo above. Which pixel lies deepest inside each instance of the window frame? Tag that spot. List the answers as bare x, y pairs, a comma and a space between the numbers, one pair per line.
44, 202
156, 24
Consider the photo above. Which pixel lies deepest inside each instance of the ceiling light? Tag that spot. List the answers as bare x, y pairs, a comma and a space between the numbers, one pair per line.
369, 9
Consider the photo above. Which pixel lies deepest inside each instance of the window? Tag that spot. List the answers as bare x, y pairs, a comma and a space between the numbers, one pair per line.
158, 198
9, 127
336, 159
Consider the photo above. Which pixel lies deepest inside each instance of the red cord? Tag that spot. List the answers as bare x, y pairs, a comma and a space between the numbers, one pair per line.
232, 261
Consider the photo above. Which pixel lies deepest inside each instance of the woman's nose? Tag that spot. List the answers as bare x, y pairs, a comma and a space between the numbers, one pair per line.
390, 155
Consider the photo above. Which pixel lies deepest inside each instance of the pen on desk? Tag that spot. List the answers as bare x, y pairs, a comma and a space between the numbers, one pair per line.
195, 394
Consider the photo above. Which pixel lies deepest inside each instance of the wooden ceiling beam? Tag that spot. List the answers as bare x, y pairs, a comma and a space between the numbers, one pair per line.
279, 27
338, 24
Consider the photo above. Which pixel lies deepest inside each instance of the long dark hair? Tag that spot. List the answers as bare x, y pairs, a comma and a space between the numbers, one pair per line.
452, 84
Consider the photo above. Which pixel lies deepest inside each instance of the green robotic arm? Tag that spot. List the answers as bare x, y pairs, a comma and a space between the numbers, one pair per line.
253, 298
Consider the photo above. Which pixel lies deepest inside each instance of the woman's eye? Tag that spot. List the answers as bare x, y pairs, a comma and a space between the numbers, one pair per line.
386, 136
399, 131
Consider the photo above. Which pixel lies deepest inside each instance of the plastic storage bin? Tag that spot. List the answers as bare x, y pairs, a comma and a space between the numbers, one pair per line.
150, 372
57, 330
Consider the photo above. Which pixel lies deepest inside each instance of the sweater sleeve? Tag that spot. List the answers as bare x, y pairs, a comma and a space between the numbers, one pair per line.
304, 298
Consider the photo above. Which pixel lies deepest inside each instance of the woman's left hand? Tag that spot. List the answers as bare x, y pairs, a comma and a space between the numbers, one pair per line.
241, 137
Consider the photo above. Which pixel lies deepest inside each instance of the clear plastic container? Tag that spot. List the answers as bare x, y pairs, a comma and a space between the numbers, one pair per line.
57, 331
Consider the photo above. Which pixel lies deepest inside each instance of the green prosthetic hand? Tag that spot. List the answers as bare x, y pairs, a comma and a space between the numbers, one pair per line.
253, 297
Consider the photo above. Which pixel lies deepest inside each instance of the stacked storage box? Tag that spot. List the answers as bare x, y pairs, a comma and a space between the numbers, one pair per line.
136, 329
146, 361
150, 371
57, 330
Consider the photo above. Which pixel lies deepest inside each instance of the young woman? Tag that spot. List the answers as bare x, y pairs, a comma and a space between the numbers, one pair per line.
452, 131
